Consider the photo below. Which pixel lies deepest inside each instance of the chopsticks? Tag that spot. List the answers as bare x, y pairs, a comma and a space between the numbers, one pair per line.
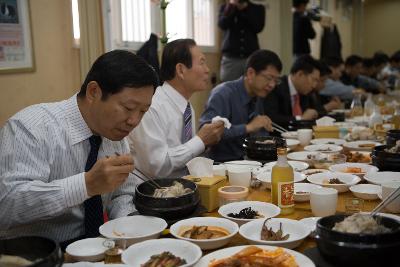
389, 199
151, 180
278, 128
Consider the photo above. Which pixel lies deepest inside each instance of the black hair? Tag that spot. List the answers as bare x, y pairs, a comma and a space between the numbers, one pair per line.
333, 62
117, 69
380, 58
368, 63
353, 60
297, 3
324, 69
305, 63
395, 57
175, 52
259, 60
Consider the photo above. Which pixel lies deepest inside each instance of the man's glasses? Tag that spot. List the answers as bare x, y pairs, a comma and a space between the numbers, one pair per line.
271, 79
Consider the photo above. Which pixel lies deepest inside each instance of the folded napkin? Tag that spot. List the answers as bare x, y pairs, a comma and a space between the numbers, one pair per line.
226, 122
325, 121
200, 167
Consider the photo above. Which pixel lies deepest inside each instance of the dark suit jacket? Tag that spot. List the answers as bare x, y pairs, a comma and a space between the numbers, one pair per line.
302, 31
278, 105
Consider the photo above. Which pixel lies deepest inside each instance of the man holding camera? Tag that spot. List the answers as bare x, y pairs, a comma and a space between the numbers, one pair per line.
241, 21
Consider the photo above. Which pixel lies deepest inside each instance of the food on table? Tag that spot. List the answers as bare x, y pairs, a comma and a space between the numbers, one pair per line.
254, 256
14, 261
360, 133
332, 181
271, 235
323, 149
265, 142
246, 213
353, 170
360, 224
366, 145
165, 259
176, 190
203, 232
394, 149
357, 157
313, 172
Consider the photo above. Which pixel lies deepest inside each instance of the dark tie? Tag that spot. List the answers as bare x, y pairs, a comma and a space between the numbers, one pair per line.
93, 205
187, 124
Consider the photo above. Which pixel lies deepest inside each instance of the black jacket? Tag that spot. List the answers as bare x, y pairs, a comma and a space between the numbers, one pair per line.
302, 31
278, 105
241, 29
331, 46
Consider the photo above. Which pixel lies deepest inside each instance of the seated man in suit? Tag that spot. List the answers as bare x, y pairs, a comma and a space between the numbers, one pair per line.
236, 101
290, 101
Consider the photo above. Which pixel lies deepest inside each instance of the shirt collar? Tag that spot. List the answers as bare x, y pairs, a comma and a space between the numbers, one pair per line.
292, 89
179, 100
78, 130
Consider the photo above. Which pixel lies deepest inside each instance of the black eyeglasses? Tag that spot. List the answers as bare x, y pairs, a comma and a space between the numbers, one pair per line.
271, 79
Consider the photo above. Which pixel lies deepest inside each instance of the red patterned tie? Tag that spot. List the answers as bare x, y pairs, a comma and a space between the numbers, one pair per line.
296, 109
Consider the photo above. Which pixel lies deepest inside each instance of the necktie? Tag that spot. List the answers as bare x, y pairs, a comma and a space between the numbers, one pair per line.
296, 109
93, 205
187, 124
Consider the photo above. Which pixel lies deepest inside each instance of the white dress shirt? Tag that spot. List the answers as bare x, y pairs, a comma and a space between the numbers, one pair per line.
156, 143
43, 153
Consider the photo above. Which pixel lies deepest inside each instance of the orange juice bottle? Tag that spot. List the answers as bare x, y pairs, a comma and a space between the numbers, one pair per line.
282, 184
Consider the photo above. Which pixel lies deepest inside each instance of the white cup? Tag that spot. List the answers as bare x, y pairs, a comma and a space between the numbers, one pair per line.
304, 136
323, 201
240, 176
219, 170
387, 189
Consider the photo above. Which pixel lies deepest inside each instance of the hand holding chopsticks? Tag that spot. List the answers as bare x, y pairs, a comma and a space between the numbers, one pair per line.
389, 199
278, 128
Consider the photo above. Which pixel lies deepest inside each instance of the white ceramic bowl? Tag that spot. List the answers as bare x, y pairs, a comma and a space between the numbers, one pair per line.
365, 168
296, 165
366, 191
265, 178
301, 259
251, 231
323, 148
306, 189
332, 141
88, 249
251, 164
226, 224
310, 223
302, 155
322, 179
289, 135
357, 145
380, 178
292, 143
133, 229
139, 253
267, 210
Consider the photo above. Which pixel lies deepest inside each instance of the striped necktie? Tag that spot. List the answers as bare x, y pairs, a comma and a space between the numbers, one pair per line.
93, 205
187, 124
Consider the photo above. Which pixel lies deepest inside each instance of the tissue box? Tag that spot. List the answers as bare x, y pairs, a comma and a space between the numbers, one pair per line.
326, 132
208, 190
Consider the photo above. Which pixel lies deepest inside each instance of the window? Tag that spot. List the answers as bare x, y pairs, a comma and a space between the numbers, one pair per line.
128, 23
75, 22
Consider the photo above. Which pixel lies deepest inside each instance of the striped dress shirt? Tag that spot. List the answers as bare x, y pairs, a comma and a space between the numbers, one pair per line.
43, 152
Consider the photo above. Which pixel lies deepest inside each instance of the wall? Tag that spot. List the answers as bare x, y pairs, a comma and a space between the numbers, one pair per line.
381, 26
56, 75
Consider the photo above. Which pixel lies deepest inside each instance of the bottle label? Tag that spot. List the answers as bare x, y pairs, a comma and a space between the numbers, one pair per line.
286, 195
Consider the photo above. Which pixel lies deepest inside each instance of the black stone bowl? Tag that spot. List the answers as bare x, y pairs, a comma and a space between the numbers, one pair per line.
345, 249
385, 161
391, 137
295, 125
256, 150
167, 208
42, 251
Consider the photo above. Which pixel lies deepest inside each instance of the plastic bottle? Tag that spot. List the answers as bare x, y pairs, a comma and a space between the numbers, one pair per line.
375, 118
369, 106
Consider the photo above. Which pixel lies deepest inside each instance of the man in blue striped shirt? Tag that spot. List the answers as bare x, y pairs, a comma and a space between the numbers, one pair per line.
47, 186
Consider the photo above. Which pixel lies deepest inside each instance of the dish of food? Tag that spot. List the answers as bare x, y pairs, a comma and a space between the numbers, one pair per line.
246, 213
296, 165
314, 171
358, 157
14, 261
352, 170
265, 142
165, 259
203, 232
255, 256
330, 141
361, 145
268, 234
333, 181
394, 149
360, 224
301, 155
326, 148
175, 190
